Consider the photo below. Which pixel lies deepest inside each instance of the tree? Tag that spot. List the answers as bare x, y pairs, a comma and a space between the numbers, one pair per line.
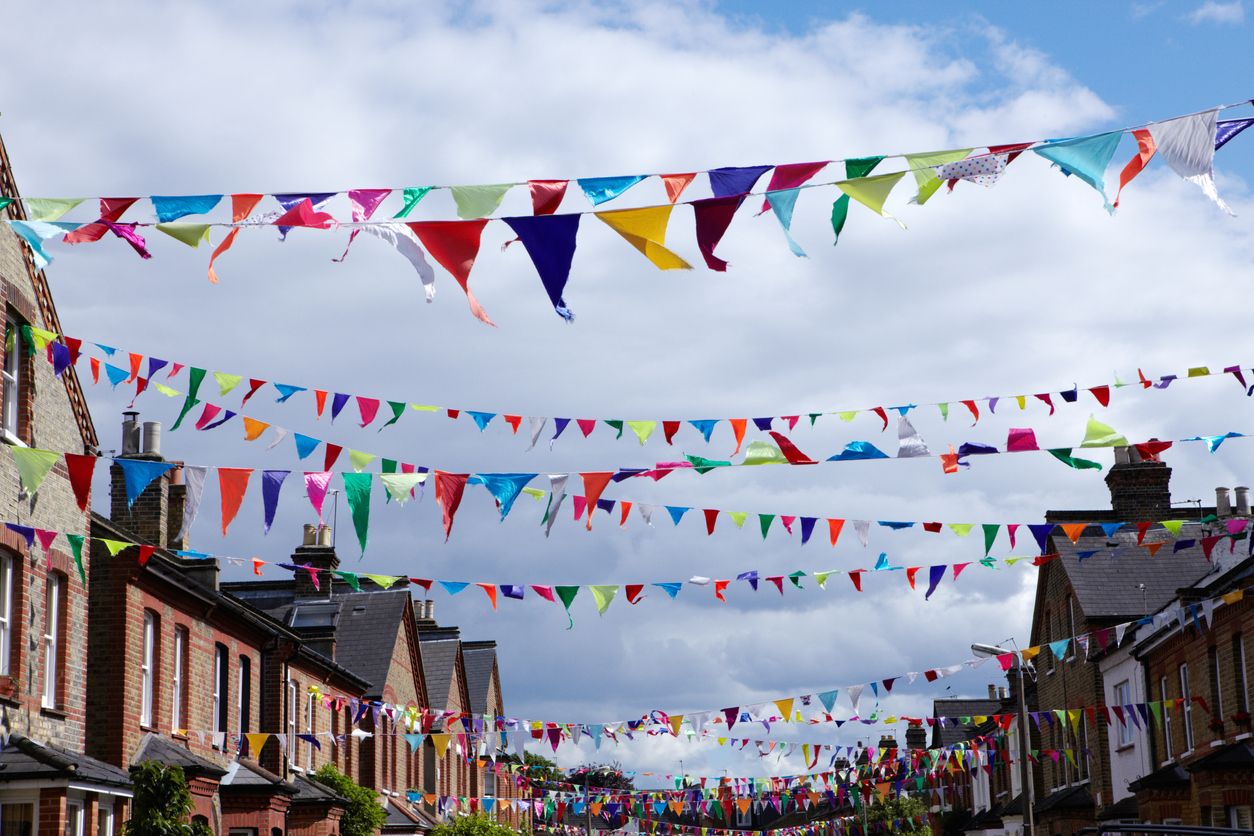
900, 814
476, 825
162, 805
364, 815
540, 768
606, 776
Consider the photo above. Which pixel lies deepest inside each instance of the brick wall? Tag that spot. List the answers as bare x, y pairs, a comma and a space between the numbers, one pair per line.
48, 421
1140, 491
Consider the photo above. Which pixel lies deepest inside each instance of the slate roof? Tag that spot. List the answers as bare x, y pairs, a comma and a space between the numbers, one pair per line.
479, 659
1072, 798
309, 791
1239, 755
155, 747
439, 647
947, 734
365, 626
26, 759
247, 774
1109, 587
404, 819
1170, 777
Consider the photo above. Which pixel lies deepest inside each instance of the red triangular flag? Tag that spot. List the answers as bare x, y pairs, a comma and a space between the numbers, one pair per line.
586, 425
489, 589
546, 195
593, 484
633, 591
80, 468
333, 453
713, 216
455, 244
145, 552
1102, 393
514, 421
790, 450
448, 495
304, 214
232, 483
711, 516
669, 428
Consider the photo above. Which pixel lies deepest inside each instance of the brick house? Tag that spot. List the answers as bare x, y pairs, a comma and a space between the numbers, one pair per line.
191, 669
48, 786
985, 798
1100, 580
1202, 755
483, 685
444, 667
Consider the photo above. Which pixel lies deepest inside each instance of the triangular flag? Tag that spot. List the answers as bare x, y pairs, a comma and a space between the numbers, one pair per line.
137, 474
455, 244
645, 229
478, 201
550, 241
232, 483
357, 492
34, 465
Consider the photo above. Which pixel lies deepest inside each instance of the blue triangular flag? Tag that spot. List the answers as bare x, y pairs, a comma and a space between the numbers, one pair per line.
677, 512
600, 189
735, 180
453, 587
670, 587
305, 444
286, 391
550, 241
271, 484
481, 419
139, 474
705, 426
505, 487
172, 208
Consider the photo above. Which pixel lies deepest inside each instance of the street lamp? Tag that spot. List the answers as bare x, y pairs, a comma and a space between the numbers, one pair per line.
1025, 769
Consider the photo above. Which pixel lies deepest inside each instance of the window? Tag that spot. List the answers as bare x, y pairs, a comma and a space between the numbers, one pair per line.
1123, 696
147, 665
104, 821
309, 730
10, 410
73, 819
1162, 695
245, 694
1082, 755
1071, 649
1188, 707
291, 721
52, 639
180, 666
6, 613
1238, 667
1047, 637
1216, 689
17, 820
221, 688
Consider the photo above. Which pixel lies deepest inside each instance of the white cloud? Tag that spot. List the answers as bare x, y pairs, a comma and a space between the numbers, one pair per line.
1212, 11
1029, 285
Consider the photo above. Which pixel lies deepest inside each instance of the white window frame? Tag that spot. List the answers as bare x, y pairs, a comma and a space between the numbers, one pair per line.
6, 613
309, 717
1187, 706
1215, 662
104, 819
1123, 697
1238, 665
220, 686
52, 639
176, 695
11, 378
146, 669
1162, 695
74, 818
291, 721
1071, 645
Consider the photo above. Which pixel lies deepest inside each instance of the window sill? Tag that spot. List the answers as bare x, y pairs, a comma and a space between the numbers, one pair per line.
9, 438
1245, 736
52, 711
1215, 744
1126, 747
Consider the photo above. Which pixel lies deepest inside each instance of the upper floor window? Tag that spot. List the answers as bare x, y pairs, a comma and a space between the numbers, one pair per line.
11, 407
221, 687
1187, 708
179, 679
1123, 697
53, 606
245, 695
1162, 695
148, 669
1216, 685
292, 707
309, 730
6, 613
1238, 668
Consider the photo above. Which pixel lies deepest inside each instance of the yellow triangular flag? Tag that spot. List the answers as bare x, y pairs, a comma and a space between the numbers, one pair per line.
871, 192
226, 382
441, 742
785, 708
645, 229
924, 168
256, 742
1097, 434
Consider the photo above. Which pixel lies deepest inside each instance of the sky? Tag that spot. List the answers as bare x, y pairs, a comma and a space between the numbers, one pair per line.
1025, 287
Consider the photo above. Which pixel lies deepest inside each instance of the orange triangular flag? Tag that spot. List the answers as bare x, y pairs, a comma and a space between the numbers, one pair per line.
489, 589
738, 427
254, 428
1073, 531
1153, 548
232, 482
675, 184
1145, 148
593, 484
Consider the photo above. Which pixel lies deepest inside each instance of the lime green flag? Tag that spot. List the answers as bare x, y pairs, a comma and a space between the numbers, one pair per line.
1098, 434
603, 595
33, 465
226, 382
761, 452
858, 167
821, 577
847, 416
478, 201
166, 390
359, 460
961, 529
189, 234
114, 546
400, 485
924, 168
738, 517
872, 192
357, 492
642, 429
1173, 526
49, 208
944, 410
76, 549
383, 581
39, 337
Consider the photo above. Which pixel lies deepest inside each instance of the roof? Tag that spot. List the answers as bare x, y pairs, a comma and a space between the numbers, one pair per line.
1072, 798
311, 791
244, 774
1126, 809
439, 662
1129, 583
1169, 777
946, 734
24, 758
155, 747
405, 819
479, 659
1239, 755
365, 623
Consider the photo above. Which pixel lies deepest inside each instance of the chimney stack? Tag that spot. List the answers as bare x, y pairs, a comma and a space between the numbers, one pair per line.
1139, 488
148, 518
1223, 508
916, 737
1243, 500
316, 550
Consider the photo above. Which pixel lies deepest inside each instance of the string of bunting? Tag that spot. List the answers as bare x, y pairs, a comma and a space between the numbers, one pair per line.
141, 370
1187, 144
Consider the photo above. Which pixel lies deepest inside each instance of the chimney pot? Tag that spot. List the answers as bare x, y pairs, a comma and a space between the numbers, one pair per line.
992, 691
152, 438
130, 432
324, 535
1001, 692
1243, 500
309, 538
1223, 507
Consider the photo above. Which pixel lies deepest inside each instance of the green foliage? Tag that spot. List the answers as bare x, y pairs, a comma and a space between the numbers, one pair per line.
608, 776
364, 815
476, 825
162, 805
541, 768
901, 815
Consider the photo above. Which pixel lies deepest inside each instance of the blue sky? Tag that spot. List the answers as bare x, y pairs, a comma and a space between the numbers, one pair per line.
1027, 286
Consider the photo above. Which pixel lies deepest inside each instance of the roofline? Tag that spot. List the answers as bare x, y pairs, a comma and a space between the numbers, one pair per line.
43, 296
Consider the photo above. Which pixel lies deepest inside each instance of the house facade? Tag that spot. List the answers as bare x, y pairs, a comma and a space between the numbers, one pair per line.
48, 785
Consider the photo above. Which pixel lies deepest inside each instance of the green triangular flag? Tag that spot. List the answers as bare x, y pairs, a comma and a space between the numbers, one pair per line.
76, 549
703, 465
1097, 434
188, 406
33, 465
398, 409
226, 382
764, 522
642, 429
49, 208
1173, 526
566, 594
194, 378
383, 581
924, 168
1063, 454
857, 167
944, 410
189, 234
603, 595
4, 203
848, 415
400, 485
1156, 708
796, 577
616, 424
961, 529
357, 492
348, 577
761, 452
990, 536
872, 192
412, 196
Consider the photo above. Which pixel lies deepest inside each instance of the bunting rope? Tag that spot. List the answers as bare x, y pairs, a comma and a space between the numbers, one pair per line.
1187, 143
63, 352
